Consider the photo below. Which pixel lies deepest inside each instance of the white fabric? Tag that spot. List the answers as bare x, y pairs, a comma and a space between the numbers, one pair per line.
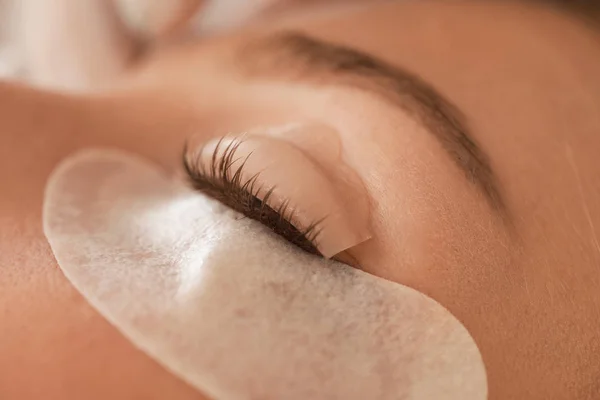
236, 311
11, 57
218, 15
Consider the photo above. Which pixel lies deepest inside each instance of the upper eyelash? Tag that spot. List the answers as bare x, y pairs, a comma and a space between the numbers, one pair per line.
225, 183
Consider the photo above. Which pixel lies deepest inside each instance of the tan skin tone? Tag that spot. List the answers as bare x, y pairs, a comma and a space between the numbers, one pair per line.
528, 291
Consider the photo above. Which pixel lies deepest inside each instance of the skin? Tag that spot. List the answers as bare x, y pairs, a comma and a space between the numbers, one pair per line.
526, 286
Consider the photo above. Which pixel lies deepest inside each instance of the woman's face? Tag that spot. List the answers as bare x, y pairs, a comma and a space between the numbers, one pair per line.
473, 127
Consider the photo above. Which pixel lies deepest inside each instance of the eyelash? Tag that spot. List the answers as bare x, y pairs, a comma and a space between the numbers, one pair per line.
225, 183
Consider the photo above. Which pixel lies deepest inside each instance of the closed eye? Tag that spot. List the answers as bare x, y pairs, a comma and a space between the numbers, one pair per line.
222, 178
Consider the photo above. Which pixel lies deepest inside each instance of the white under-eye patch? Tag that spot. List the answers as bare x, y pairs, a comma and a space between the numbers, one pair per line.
234, 310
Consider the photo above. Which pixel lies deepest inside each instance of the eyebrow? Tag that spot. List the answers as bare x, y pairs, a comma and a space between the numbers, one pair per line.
295, 56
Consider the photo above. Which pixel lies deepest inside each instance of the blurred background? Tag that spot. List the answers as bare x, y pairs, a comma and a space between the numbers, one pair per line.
153, 18
149, 19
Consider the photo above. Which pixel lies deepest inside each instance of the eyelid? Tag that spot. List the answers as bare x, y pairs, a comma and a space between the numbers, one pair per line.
304, 167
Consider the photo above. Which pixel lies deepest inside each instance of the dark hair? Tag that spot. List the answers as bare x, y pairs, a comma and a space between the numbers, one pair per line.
589, 9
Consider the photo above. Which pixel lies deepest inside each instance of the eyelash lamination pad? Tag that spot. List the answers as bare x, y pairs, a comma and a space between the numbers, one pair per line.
234, 310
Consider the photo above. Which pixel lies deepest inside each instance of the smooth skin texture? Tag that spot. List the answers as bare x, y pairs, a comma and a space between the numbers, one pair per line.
525, 286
